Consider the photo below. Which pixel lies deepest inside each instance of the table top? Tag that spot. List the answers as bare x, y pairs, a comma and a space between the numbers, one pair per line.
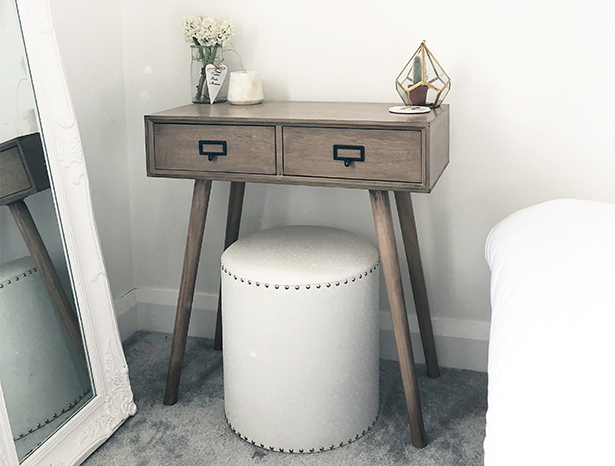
283, 112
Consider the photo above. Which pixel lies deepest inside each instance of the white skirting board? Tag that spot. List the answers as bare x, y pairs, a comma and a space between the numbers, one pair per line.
460, 344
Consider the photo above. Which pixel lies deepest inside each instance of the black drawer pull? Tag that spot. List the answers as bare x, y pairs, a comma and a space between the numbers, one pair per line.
212, 149
349, 157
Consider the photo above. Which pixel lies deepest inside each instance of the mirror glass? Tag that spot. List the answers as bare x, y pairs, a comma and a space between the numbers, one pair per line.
43, 365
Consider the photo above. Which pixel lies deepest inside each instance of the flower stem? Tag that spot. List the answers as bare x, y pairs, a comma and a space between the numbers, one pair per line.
206, 55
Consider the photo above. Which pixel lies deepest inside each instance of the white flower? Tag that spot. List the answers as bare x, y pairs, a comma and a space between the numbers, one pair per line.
207, 31
189, 28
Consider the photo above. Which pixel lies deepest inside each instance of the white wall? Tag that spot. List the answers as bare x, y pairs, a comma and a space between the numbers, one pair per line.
531, 120
90, 40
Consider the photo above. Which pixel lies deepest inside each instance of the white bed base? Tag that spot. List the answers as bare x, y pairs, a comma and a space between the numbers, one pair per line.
552, 344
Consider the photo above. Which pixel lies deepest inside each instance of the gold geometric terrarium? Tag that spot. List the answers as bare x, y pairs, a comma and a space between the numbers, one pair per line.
423, 82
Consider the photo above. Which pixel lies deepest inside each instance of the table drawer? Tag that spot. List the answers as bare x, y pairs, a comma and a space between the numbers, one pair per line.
13, 175
214, 148
368, 154
23, 170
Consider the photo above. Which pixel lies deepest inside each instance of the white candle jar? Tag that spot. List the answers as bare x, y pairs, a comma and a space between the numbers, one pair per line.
245, 88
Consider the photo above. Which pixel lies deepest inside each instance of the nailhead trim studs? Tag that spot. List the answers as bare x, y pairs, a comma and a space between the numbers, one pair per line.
55, 415
318, 286
301, 450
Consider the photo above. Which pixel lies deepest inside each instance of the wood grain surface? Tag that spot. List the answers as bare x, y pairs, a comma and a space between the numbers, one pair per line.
194, 241
390, 155
383, 221
417, 279
250, 149
23, 170
233, 221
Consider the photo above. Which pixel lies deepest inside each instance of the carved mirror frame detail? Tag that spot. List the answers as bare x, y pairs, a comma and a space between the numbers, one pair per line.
113, 400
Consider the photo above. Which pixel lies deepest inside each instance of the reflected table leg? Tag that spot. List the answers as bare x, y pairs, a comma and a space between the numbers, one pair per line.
48, 274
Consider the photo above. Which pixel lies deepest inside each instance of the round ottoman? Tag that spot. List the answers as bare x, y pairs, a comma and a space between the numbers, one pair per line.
300, 337
41, 374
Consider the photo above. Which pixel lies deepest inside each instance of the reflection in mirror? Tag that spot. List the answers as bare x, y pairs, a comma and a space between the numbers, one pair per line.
43, 365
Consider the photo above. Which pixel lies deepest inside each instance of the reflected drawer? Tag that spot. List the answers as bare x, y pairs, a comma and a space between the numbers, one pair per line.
214, 148
368, 154
23, 170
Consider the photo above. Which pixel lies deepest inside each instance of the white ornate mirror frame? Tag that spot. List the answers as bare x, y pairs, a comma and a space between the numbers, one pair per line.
113, 401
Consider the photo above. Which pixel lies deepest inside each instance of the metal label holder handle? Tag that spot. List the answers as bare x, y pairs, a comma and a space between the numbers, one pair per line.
348, 159
207, 148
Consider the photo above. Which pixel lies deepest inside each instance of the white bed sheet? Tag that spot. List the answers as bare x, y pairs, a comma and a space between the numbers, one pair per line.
551, 393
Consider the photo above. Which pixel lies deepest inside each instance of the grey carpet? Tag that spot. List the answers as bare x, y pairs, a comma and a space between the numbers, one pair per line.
194, 431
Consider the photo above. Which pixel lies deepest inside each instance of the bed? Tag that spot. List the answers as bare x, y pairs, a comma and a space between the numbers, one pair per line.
551, 389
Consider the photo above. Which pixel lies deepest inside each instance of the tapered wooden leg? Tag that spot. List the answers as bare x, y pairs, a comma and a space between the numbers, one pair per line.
383, 220
417, 279
233, 219
194, 241
49, 275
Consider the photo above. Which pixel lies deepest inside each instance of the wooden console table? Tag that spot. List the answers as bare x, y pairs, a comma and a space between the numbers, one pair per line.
348, 145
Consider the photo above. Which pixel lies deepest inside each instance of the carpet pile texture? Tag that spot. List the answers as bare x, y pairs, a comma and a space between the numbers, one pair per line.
193, 432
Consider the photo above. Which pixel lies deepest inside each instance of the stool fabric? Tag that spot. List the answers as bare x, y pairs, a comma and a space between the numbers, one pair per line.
41, 374
301, 338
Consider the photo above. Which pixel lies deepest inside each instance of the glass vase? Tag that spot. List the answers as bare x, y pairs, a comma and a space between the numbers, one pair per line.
201, 57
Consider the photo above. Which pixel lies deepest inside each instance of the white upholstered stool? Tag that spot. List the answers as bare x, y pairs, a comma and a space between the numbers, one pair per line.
300, 338
42, 376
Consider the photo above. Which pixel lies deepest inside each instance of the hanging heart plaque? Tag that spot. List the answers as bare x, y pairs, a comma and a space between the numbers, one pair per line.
215, 76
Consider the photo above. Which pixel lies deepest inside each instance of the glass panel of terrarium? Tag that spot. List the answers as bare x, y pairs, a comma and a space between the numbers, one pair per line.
434, 69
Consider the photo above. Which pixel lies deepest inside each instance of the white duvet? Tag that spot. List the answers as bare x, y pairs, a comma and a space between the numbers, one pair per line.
551, 398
